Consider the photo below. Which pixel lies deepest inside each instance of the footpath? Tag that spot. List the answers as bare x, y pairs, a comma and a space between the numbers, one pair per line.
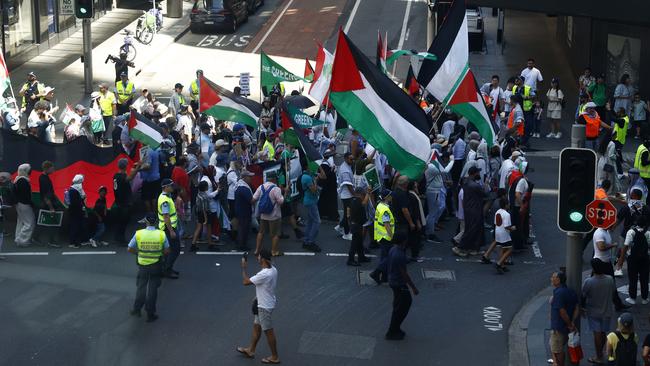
60, 67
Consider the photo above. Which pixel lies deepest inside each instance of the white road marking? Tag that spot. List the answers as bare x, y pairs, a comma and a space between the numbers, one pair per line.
352, 14
336, 254
534, 262
536, 250
277, 20
546, 192
492, 318
108, 252
402, 35
201, 41
304, 254
217, 264
219, 253
24, 253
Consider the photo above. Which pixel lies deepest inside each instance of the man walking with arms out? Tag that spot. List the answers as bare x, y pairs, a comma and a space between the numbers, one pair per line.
265, 282
149, 245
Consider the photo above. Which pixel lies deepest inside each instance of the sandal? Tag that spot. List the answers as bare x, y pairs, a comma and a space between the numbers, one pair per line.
245, 353
268, 360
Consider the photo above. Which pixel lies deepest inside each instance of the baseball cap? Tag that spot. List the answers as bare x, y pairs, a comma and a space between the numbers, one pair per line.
205, 126
123, 73
237, 127
80, 108
220, 142
166, 182
48, 90
590, 105
265, 254
150, 218
31, 73
178, 85
626, 319
94, 95
515, 154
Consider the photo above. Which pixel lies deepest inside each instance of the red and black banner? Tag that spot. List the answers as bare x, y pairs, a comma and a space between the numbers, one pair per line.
80, 156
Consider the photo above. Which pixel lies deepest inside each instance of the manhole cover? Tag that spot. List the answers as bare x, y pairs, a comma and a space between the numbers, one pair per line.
438, 274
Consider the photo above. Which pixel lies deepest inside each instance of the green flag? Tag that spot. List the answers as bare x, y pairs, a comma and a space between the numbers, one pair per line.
273, 73
302, 120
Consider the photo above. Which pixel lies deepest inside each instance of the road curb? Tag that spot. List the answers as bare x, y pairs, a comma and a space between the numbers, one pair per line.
182, 33
518, 330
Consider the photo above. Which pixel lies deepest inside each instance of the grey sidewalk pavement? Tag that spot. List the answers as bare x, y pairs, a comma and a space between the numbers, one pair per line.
61, 67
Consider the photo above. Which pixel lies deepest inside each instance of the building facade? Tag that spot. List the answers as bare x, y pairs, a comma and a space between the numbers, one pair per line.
33, 26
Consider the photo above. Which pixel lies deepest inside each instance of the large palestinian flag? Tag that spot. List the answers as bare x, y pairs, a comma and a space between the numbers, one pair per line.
224, 105
382, 113
144, 130
449, 78
96, 164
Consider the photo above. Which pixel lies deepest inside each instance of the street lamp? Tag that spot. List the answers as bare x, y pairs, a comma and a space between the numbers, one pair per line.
431, 22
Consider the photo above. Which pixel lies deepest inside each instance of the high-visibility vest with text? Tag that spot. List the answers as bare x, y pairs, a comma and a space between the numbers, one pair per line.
380, 230
150, 246
528, 103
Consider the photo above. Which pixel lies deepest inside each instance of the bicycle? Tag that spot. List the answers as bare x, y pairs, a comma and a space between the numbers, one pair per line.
146, 28
128, 48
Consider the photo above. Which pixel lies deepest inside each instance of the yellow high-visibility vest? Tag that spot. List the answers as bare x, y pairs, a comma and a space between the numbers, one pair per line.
380, 230
163, 198
621, 132
644, 170
150, 246
194, 90
106, 102
528, 103
123, 94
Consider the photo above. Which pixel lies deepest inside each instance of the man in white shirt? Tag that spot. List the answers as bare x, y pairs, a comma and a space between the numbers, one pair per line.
448, 126
532, 75
635, 248
603, 246
265, 282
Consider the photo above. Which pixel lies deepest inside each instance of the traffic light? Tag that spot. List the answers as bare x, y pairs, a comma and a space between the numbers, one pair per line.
84, 9
577, 182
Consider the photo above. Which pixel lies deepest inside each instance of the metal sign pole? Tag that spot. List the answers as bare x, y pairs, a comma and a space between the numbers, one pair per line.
88, 56
574, 240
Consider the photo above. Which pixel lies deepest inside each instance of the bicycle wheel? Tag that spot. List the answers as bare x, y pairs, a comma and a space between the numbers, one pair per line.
146, 36
130, 52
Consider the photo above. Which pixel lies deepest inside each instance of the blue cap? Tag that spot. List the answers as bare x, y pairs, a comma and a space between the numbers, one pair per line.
237, 127
166, 182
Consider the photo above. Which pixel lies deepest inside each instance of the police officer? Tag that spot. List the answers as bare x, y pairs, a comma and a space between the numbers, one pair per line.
168, 222
125, 91
149, 245
31, 91
384, 231
194, 93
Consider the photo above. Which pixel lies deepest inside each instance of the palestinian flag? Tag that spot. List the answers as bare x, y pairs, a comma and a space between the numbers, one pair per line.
224, 105
382, 113
449, 78
295, 136
144, 130
322, 75
382, 52
411, 85
301, 119
309, 71
96, 164
393, 55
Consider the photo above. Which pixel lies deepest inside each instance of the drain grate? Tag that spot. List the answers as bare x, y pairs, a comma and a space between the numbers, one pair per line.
438, 274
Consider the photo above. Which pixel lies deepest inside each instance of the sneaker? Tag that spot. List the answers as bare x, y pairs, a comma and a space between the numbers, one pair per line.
630, 301
459, 252
418, 259
473, 252
215, 237
93, 243
558, 135
499, 269
618, 273
75, 246
550, 135
103, 243
339, 229
485, 260
53, 245
347, 236
85, 244
645, 301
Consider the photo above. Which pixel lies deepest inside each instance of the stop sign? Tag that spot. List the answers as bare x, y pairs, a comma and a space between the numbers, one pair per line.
601, 214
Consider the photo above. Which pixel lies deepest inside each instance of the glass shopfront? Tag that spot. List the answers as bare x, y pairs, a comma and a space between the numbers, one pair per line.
18, 21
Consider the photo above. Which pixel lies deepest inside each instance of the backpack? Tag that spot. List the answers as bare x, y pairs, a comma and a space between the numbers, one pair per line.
299, 187
640, 248
626, 350
266, 204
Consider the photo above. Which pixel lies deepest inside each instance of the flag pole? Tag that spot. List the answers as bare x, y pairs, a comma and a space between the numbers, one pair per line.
442, 110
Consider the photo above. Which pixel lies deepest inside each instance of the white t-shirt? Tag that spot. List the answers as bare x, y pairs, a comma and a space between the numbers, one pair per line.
501, 235
506, 167
531, 77
265, 282
521, 188
604, 236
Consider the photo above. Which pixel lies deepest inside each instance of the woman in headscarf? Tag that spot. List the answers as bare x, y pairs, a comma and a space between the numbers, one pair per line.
327, 202
25, 222
77, 212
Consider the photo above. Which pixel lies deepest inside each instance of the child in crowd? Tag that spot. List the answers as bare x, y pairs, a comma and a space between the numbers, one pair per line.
502, 228
537, 121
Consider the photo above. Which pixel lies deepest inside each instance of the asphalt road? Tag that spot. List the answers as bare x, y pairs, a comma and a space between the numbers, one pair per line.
73, 309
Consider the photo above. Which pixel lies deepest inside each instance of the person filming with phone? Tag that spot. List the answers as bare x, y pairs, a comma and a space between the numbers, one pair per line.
265, 282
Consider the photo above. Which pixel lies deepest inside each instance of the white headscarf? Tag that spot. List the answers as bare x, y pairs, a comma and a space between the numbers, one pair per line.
77, 184
23, 172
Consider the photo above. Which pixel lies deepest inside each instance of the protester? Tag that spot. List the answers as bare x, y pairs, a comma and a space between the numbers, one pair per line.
270, 198
473, 237
310, 203
597, 305
554, 109
50, 203
639, 114
345, 180
100, 213
265, 282
243, 209
400, 282
636, 248
77, 213
531, 74
26, 221
622, 344
623, 94
564, 314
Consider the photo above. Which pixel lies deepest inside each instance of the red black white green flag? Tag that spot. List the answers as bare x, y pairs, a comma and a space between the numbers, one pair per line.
225, 105
382, 113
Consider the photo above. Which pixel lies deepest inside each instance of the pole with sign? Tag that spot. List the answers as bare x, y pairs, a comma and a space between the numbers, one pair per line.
67, 7
245, 83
